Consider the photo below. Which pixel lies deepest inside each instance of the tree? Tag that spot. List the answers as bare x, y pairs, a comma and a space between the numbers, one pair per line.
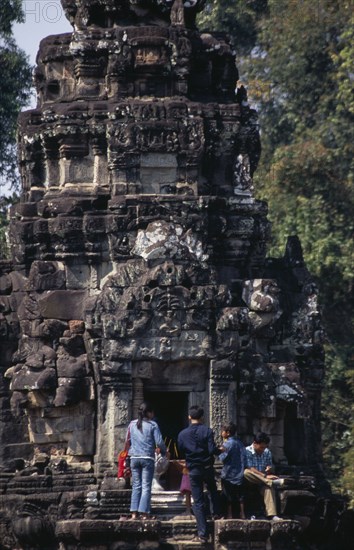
238, 18
15, 86
348, 474
5, 203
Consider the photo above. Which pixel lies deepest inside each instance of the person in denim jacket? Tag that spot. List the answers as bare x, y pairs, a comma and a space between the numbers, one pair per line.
233, 457
144, 437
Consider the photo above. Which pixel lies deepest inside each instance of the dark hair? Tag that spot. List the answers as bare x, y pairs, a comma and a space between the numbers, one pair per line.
196, 412
261, 437
143, 410
230, 427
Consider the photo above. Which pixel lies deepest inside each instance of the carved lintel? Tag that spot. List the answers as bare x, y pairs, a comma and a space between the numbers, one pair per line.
142, 369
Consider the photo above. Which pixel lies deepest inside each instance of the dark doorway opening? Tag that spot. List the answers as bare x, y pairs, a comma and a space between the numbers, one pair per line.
171, 414
294, 435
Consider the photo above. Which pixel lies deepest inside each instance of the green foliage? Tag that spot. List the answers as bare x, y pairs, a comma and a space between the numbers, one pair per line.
298, 44
338, 414
237, 18
299, 70
348, 474
343, 60
5, 203
11, 11
14, 87
308, 198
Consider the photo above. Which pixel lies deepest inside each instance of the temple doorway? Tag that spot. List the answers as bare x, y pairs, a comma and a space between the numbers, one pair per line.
171, 414
294, 435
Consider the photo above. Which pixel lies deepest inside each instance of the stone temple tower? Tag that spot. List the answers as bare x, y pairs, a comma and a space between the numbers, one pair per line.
138, 251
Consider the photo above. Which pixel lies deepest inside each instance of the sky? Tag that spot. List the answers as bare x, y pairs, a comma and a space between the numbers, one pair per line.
42, 18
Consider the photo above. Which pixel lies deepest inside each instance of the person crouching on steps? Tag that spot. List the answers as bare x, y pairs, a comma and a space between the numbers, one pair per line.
258, 471
233, 457
144, 436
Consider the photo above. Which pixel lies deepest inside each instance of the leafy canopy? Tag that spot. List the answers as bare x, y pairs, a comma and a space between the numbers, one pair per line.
15, 85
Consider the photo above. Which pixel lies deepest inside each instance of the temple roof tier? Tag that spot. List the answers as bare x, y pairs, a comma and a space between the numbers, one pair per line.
108, 13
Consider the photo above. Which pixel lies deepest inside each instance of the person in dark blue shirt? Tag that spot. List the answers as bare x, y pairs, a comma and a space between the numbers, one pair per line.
233, 457
197, 444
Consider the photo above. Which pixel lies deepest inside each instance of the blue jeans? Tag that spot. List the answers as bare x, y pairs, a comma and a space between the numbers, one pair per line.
199, 476
142, 474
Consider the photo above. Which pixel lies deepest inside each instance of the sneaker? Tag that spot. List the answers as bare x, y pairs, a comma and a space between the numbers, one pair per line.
274, 518
200, 538
278, 482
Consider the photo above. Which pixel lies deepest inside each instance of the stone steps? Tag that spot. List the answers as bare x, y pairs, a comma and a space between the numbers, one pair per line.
178, 535
96, 517
167, 504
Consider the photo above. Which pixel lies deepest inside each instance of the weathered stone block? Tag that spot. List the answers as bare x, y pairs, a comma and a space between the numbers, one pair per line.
12, 451
26, 380
46, 276
5, 284
72, 390
62, 304
72, 367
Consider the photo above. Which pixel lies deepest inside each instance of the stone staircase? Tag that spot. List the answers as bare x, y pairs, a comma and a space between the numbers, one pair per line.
177, 534
68, 511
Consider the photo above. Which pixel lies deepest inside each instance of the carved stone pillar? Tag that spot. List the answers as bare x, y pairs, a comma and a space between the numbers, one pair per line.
100, 174
138, 395
75, 166
87, 73
51, 155
114, 396
141, 371
222, 401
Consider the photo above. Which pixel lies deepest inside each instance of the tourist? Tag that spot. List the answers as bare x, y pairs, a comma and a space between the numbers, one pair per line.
197, 444
143, 438
258, 471
233, 457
